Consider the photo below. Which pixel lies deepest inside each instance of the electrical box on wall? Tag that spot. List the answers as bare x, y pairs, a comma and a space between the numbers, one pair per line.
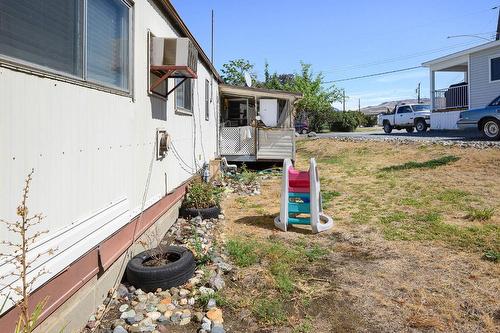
162, 143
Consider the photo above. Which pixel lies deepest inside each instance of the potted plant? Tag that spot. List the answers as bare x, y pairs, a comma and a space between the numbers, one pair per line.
202, 199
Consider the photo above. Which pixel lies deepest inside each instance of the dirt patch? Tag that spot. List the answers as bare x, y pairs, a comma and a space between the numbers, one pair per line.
402, 257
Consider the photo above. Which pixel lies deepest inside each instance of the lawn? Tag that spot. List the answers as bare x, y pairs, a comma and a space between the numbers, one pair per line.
415, 246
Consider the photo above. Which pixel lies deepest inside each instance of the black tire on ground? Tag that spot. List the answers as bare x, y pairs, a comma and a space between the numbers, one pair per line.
421, 125
173, 274
410, 129
205, 213
491, 129
387, 128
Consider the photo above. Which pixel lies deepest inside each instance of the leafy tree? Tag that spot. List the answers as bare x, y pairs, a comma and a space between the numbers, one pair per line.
317, 100
233, 72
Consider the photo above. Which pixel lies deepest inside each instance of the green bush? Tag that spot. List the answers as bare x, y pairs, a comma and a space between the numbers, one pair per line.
202, 195
370, 120
344, 121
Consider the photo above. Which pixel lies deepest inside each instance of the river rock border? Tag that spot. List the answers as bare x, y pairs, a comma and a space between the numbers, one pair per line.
130, 310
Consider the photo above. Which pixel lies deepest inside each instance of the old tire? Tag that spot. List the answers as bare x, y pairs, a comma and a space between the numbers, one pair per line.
387, 128
205, 213
173, 274
491, 129
421, 125
410, 129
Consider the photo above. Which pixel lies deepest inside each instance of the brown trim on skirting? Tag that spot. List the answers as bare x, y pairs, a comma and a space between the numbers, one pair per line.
60, 288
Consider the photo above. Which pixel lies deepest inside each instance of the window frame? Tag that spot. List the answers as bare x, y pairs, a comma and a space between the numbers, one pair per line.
44, 71
207, 100
182, 109
490, 58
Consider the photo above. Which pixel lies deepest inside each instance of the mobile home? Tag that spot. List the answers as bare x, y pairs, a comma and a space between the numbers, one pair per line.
112, 130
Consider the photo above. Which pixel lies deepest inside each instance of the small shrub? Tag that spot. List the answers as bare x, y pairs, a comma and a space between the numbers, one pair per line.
203, 195
248, 177
242, 252
491, 256
344, 121
483, 214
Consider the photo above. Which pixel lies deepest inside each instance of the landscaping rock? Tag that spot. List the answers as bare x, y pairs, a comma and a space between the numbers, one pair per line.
217, 328
153, 315
215, 315
119, 329
123, 307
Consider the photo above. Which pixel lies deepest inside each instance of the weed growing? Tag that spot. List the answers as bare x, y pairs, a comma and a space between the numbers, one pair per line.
430, 164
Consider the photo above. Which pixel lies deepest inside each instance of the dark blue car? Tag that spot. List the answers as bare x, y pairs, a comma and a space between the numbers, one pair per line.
486, 119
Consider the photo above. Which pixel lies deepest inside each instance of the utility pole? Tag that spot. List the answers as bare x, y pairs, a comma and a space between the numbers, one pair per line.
498, 25
343, 100
359, 104
212, 58
418, 93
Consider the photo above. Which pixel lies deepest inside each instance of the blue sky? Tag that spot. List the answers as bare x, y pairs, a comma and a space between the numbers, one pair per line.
344, 38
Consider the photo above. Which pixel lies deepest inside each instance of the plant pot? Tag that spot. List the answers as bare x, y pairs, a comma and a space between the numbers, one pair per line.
177, 271
205, 213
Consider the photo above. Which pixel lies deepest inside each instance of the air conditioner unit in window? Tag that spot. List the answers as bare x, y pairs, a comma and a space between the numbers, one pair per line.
178, 52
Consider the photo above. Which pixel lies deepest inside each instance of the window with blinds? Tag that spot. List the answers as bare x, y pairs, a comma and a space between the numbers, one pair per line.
45, 33
107, 42
184, 96
49, 34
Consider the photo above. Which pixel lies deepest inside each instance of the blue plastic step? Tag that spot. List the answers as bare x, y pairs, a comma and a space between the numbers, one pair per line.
299, 220
298, 208
302, 196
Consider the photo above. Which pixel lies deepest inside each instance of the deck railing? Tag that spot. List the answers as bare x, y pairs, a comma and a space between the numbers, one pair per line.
453, 98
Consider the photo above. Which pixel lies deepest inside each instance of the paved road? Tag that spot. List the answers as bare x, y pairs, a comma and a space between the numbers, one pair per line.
434, 135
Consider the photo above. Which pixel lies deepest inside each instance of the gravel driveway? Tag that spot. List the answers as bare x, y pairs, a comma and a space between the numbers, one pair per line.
434, 135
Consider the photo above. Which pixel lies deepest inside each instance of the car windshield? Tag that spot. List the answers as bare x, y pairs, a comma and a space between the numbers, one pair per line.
421, 107
496, 102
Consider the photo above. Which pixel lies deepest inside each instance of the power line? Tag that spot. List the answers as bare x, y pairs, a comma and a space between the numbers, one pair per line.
401, 57
372, 75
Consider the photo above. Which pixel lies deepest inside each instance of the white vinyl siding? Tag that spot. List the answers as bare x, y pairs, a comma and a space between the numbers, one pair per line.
84, 40
482, 89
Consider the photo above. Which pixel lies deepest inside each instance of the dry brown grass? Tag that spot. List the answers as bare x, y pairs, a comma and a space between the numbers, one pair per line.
402, 257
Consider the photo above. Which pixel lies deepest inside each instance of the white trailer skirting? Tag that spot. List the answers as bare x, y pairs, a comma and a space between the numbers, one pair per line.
444, 120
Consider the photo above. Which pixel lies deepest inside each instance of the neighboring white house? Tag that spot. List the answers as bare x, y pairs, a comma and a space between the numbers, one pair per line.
76, 105
480, 66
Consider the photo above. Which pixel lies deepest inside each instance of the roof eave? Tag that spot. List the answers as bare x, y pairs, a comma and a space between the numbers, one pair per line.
459, 54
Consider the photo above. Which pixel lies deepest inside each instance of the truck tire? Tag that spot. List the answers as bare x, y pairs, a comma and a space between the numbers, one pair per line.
410, 129
491, 129
421, 125
387, 128
176, 272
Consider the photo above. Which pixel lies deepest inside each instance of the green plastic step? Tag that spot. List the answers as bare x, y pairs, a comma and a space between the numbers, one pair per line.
298, 208
299, 220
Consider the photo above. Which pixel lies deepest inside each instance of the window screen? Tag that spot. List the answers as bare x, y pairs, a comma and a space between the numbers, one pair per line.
107, 42
184, 95
495, 69
43, 32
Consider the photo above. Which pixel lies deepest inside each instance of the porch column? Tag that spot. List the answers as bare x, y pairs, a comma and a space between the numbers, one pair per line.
432, 75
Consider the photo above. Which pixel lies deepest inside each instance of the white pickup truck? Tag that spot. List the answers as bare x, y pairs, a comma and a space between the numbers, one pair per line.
406, 116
